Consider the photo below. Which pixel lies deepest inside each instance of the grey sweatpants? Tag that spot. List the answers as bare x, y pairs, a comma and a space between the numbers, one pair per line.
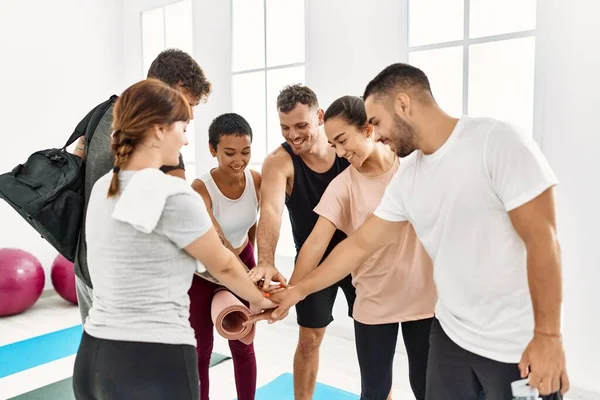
84, 298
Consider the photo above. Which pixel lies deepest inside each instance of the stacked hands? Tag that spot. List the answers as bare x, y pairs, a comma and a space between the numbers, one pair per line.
279, 296
542, 361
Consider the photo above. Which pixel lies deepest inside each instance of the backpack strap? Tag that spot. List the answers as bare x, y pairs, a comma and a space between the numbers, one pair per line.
79, 129
88, 124
99, 112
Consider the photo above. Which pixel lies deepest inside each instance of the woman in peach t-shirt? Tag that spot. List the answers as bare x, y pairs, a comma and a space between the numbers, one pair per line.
393, 287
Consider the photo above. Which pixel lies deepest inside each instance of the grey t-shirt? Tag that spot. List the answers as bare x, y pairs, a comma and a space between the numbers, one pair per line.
141, 280
99, 161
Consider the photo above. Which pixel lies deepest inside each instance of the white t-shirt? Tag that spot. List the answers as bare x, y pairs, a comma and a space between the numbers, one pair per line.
458, 200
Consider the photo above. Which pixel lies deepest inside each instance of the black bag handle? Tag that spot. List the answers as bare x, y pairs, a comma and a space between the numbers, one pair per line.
88, 124
79, 129
97, 116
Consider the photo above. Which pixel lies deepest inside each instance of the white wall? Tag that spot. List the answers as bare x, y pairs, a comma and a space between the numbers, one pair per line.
59, 59
348, 45
568, 50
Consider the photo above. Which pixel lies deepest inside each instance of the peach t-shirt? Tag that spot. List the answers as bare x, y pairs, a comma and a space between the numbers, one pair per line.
396, 283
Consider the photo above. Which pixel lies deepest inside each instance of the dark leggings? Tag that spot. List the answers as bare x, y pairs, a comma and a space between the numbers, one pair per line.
376, 345
115, 370
456, 373
244, 361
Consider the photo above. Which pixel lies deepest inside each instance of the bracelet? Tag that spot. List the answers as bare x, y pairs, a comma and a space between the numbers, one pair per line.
554, 335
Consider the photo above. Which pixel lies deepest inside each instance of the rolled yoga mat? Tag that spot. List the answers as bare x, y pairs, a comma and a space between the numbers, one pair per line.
228, 314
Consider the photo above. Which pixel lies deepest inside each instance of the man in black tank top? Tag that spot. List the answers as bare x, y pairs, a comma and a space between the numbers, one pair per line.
296, 174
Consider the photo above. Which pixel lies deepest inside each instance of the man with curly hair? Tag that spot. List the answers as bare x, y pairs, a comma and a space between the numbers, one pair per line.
180, 71
297, 174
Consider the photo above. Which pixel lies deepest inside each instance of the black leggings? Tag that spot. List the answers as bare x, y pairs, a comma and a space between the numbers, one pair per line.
376, 345
112, 369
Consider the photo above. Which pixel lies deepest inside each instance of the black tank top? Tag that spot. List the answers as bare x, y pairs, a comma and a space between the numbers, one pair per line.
307, 190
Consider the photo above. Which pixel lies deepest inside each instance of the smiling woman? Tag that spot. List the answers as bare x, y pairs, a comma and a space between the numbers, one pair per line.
394, 288
231, 194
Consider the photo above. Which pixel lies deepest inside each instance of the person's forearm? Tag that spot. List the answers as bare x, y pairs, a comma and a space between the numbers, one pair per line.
267, 236
79, 149
308, 259
545, 285
344, 259
235, 278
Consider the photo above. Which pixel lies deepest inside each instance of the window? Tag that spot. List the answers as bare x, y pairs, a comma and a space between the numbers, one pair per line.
268, 53
166, 27
479, 55
170, 27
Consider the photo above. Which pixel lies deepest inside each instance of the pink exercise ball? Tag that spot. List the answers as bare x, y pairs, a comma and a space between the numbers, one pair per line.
22, 281
62, 276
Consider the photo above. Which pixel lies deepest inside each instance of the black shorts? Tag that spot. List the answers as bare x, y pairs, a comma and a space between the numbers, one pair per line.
316, 311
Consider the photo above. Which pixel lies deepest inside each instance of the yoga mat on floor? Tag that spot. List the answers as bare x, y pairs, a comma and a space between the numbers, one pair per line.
216, 358
39, 350
63, 390
282, 388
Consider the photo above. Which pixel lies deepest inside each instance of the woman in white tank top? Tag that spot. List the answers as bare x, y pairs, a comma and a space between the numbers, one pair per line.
231, 193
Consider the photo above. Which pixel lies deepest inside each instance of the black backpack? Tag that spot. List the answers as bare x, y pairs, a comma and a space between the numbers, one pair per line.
47, 191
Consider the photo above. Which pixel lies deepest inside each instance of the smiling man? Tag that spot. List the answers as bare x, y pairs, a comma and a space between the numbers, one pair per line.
480, 195
297, 174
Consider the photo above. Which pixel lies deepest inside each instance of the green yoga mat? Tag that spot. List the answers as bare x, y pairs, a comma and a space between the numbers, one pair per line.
63, 390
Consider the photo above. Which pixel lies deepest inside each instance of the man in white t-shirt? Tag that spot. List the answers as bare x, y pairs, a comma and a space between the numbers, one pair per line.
480, 196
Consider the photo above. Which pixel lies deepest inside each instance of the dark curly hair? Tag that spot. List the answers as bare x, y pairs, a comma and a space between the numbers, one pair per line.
399, 76
228, 124
174, 66
291, 95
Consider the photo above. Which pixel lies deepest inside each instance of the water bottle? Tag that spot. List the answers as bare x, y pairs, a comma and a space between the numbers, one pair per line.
522, 391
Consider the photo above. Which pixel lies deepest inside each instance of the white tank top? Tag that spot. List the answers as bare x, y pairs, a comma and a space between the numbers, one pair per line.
235, 216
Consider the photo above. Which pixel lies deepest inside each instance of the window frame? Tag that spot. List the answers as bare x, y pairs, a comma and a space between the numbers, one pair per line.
162, 5
466, 42
255, 163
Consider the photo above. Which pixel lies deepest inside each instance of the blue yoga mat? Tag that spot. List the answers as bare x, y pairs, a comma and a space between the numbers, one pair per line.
39, 350
282, 388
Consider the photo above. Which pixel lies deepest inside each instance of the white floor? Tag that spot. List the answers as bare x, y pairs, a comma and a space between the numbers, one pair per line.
274, 346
